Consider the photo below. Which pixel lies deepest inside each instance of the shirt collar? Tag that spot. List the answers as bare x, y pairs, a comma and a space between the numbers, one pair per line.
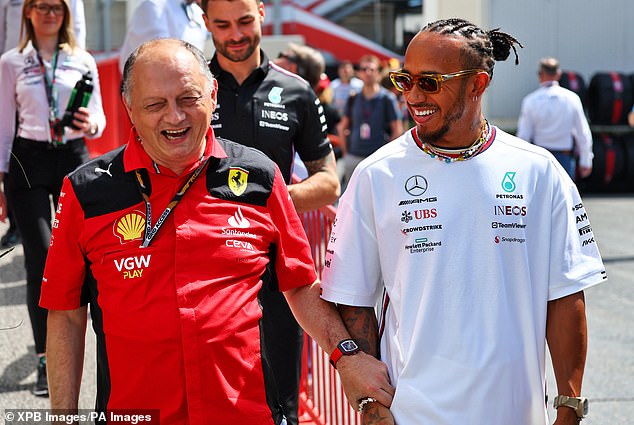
135, 157
29, 49
226, 77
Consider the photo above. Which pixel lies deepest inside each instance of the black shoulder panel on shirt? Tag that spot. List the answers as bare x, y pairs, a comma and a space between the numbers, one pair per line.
102, 186
245, 176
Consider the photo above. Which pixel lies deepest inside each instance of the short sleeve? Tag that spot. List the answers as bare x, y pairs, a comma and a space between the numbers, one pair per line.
352, 273
312, 143
576, 262
65, 268
294, 264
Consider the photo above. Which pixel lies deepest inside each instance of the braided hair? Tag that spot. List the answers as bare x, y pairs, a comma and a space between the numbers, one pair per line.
483, 48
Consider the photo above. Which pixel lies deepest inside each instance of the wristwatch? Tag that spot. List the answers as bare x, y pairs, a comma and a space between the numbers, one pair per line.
347, 347
93, 129
578, 404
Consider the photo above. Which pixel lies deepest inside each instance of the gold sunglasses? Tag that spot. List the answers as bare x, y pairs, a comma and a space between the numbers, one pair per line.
429, 83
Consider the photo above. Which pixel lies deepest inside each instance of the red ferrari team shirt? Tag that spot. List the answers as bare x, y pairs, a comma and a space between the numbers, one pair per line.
177, 322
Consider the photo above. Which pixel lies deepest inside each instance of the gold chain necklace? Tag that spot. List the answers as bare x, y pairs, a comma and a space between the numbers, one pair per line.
452, 155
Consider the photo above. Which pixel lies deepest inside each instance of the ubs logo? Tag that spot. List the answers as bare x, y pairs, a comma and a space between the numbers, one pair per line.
416, 185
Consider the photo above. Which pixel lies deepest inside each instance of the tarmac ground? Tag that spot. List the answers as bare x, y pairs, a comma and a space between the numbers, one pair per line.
608, 380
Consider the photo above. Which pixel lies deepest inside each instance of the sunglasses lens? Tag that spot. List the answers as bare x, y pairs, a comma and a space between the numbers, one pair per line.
428, 84
402, 82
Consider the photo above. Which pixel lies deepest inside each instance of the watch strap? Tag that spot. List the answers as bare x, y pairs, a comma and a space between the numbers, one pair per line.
338, 352
335, 356
578, 404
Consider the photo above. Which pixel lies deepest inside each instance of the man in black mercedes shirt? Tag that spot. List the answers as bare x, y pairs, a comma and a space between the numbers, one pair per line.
277, 112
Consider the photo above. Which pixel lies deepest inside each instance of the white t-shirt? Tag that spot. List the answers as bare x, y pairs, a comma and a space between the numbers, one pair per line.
164, 18
469, 253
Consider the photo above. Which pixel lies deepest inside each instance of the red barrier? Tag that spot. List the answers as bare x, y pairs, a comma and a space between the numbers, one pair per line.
117, 122
322, 400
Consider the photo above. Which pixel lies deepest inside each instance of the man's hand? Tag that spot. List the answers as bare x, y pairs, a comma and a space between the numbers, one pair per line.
584, 171
362, 375
377, 414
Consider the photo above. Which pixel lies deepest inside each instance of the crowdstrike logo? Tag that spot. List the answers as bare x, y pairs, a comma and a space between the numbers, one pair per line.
239, 220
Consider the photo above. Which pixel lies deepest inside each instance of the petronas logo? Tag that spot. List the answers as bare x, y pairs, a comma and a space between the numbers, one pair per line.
275, 95
508, 182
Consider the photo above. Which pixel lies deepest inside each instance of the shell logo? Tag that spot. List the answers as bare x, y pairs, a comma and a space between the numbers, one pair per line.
130, 227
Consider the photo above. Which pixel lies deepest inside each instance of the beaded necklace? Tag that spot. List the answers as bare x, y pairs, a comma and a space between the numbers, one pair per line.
451, 155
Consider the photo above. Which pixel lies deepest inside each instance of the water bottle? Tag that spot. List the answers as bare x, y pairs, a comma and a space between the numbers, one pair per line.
80, 96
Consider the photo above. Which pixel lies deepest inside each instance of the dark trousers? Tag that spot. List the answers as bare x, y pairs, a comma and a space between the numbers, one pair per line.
37, 171
284, 341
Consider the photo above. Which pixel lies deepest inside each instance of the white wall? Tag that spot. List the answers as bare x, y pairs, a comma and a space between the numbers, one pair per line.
587, 36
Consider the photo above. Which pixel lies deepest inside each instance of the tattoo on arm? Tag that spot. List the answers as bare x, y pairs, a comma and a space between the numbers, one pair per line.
362, 324
375, 414
316, 165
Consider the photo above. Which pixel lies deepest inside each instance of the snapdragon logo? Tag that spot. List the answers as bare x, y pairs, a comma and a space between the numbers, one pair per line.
504, 239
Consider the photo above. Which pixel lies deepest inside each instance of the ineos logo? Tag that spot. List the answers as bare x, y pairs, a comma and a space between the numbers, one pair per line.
416, 185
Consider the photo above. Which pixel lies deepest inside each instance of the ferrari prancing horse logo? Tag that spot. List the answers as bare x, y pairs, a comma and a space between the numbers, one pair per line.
238, 180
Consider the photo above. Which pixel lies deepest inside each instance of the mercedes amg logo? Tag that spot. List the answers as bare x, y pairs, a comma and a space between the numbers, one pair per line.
416, 185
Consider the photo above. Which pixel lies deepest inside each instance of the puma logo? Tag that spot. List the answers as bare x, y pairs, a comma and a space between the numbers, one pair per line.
101, 170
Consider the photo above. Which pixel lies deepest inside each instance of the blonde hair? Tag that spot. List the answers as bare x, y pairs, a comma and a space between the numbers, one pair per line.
65, 36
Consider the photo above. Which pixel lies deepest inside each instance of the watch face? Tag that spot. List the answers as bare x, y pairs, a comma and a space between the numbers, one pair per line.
349, 346
584, 406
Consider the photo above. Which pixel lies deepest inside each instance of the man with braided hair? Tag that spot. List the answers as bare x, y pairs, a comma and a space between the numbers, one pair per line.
477, 246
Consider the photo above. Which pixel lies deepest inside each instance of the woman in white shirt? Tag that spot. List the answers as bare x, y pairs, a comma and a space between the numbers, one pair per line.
36, 81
